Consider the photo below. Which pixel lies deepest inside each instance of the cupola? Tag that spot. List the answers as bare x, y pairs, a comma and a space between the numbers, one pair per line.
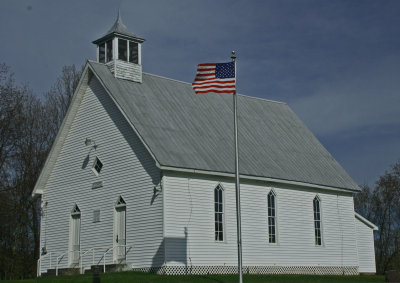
120, 50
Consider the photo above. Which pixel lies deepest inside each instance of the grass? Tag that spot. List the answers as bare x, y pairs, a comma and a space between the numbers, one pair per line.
131, 276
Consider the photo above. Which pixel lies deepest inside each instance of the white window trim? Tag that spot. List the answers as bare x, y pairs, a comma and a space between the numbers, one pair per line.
117, 204
276, 219
74, 212
321, 222
223, 213
93, 165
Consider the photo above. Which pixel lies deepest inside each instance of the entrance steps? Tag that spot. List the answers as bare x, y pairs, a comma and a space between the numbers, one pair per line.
93, 269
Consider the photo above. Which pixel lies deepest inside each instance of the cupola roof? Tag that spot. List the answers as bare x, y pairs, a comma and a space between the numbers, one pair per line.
119, 30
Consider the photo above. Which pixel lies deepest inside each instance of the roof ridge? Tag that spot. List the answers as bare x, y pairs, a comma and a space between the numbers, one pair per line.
244, 95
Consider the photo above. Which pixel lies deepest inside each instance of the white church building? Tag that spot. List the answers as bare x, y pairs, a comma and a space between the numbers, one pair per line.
141, 176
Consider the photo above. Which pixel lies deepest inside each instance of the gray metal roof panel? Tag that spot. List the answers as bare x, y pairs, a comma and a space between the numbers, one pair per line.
186, 130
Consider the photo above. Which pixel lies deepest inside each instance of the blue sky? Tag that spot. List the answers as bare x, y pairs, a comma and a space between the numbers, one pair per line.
336, 63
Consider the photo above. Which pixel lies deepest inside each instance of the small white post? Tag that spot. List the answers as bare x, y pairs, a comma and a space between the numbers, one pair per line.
104, 263
38, 268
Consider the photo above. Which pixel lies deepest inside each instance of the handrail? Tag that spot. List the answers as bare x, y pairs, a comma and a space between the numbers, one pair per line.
39, 264
93, 254
81, 255
111, 249
62, 255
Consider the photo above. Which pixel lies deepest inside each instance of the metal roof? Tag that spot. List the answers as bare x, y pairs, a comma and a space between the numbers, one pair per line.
120, 30
186, 130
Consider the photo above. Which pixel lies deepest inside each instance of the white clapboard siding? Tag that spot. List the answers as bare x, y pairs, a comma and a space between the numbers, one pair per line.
128, 171
365, 245
126, 70
189, 206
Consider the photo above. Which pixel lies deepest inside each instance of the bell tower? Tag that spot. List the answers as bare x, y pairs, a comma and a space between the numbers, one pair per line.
120, 50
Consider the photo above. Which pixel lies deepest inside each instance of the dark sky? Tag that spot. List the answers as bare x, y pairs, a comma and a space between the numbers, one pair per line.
336, 63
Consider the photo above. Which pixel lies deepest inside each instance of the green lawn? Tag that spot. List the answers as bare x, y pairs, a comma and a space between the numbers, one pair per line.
131, 276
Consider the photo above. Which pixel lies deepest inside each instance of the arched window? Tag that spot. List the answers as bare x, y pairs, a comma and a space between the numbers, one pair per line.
271, 217
219, 213
317, 221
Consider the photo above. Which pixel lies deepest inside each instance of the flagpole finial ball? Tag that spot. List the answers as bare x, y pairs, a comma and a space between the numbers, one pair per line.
233, 55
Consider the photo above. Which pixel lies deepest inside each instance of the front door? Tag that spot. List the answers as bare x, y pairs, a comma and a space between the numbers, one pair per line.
120, 233
75, 237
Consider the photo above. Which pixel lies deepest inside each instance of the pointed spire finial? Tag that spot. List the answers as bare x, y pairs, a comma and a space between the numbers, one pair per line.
120, 29
119, 15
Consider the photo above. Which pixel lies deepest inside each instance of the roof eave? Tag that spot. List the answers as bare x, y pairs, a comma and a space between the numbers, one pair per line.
366, 222
109, 92
56, 147
257, 178
120, 35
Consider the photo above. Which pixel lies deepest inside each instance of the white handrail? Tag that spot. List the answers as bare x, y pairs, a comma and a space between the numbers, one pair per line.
39, 264
93, 255
62, 255
111, 249
81, 255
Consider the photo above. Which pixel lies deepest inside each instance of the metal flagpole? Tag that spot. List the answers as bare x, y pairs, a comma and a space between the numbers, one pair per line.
238, 217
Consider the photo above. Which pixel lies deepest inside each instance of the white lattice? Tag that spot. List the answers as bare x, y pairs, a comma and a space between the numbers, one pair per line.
212, 269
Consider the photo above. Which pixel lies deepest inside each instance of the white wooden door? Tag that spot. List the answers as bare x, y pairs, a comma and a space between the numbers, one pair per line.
120, 234
75, 238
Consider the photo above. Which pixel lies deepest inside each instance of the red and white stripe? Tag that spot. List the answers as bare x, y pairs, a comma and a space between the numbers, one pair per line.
206, 81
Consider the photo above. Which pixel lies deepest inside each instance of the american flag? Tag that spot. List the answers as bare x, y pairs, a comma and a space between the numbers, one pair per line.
215, 77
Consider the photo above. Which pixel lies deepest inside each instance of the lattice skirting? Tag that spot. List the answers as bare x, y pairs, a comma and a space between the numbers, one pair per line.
320, 270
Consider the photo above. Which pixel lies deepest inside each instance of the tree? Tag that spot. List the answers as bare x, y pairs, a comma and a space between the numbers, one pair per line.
28, 127
60, 95
381, 205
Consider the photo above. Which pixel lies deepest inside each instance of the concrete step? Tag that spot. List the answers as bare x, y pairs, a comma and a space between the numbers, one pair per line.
93, 269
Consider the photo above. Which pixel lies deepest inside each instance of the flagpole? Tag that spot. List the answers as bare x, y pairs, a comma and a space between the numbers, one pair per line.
238, 217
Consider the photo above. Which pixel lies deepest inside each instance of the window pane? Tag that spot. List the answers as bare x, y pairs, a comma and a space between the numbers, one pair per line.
218, 213
317, 221
122, 50
271, 218
102, 53
133, 52
97, 165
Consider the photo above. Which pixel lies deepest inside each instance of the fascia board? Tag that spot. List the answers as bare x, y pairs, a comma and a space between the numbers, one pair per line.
366, 222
